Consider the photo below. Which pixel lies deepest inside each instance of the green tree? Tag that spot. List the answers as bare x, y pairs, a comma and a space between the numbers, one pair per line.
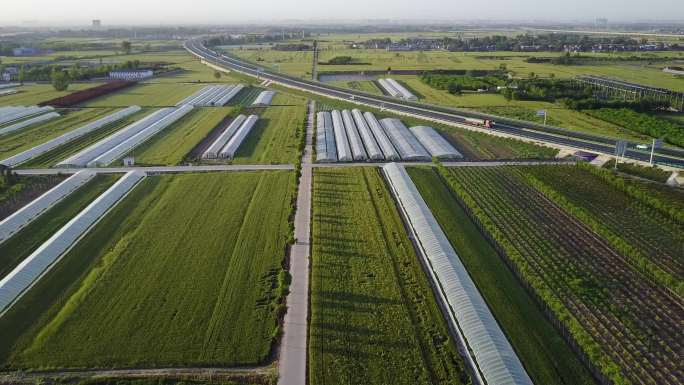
60, 80
454, 88
217, 75
126, 47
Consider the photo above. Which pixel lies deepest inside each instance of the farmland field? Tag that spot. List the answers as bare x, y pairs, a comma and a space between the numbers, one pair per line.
374, 319
26, 138
31, 94
627, 324
147, 95
172, 276
546, 357
657, 242
299, 63
171, 146
21, 245
480, 146
276, 136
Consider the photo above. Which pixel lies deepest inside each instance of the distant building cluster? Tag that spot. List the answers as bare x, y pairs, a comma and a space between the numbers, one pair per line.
30, 51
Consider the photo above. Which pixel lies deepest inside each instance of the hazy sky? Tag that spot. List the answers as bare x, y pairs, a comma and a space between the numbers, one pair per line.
77, 12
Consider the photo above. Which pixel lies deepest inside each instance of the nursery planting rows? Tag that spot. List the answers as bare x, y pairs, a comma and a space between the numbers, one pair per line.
627, 324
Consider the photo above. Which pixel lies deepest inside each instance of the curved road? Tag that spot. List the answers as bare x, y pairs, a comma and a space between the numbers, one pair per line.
670, 157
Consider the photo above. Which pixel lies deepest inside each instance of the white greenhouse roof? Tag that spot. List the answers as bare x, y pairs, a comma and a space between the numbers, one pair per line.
381, 137
69, 136
235, 142
372, 148
264, 99
140, 137
344, 153
27, 214
42, 259
28, 122
213, 151
407, 145
212, 96
326, 150
355, 142
85, 156
493, 356
436, 145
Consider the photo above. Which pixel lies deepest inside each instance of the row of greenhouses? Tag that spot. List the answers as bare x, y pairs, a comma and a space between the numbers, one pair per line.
212, 96
353, 136
230, 139
68, 137
19, 280
115, 146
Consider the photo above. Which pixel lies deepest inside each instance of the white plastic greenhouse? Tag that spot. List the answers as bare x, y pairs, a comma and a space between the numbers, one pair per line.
69, 136
326, 150
355, 142
213, 151
29, 122
490, 353
27, 214
139, 138
264, 99
372, 148
389, 88
212, 96
234, 143
20, 280
12, 113
344, 153
407, 145
85, 156
381, 137
436, 145
403, 92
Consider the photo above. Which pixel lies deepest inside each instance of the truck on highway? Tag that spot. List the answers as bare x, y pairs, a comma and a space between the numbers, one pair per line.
480, 122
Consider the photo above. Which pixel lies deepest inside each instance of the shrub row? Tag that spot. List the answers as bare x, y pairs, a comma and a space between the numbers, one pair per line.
620, 183
647, 267
578, 335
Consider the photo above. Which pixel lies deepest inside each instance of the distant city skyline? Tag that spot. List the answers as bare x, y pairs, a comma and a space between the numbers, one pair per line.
82, 12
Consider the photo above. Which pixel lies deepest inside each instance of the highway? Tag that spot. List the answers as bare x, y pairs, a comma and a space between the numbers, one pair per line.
580, 141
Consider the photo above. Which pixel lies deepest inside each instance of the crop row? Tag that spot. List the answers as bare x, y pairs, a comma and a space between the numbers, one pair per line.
628, 326
374, 318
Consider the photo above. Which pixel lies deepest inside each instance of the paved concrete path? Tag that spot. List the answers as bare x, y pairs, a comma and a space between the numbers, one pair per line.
293, 350
256, 167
